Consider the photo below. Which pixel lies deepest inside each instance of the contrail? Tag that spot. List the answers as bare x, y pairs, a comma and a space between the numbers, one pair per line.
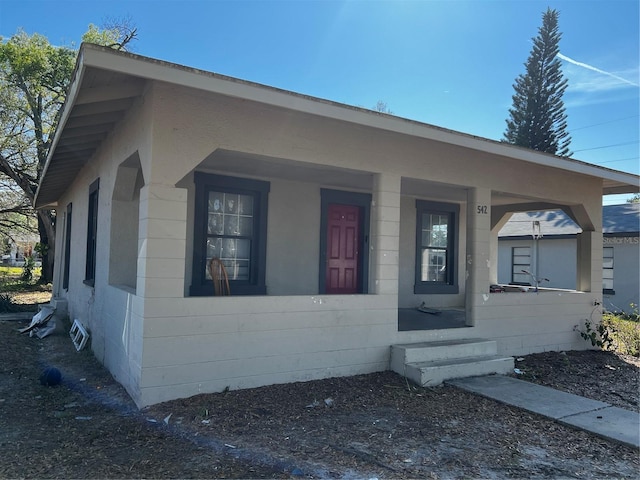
589, 67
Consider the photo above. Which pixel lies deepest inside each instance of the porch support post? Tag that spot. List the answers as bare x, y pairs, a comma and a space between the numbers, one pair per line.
478, 261
493, 254
385, 234
589, 263
589, 247
162, 242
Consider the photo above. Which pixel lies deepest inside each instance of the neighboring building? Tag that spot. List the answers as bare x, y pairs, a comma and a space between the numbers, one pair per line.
19, 245
333, 223
552, 255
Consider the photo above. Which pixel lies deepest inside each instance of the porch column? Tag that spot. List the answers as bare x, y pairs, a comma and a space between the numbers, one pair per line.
385, 234
496, 226
478, 261
162, 242
589, 263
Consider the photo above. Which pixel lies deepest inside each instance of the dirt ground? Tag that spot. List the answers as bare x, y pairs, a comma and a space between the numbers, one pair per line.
368, 426
28, 300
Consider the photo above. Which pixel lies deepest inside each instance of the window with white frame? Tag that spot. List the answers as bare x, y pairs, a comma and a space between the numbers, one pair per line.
607, 270
436, 247
520, 260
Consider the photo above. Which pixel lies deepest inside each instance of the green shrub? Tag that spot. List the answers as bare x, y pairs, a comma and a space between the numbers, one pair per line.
600, 335
6, 304
625, 332
27, 269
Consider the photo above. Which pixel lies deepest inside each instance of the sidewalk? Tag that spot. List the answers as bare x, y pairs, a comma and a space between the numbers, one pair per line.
593, 416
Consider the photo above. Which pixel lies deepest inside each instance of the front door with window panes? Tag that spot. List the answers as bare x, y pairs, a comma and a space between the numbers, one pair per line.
229, 232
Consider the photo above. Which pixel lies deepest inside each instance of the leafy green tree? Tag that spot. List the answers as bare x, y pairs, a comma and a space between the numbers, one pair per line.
634, 199
537, 118
34, 76
33, 79
116, 34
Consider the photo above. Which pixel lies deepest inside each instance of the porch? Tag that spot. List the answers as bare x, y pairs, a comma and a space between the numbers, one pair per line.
412, 319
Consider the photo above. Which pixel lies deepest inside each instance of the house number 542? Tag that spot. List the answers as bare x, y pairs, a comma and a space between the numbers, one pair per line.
483, 210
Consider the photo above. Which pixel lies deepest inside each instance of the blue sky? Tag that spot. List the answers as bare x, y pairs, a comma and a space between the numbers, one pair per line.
447, 63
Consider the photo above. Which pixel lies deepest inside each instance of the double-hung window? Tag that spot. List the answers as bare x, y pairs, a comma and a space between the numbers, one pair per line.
231, 227
607, 270
436, 247
520, 261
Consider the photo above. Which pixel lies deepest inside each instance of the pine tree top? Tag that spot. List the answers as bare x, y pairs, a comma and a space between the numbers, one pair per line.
537, 118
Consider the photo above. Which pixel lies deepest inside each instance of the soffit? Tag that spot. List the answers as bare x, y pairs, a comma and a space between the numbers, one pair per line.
101, 100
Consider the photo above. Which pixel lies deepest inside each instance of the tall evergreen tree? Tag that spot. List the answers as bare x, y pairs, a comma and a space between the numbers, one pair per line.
537, 119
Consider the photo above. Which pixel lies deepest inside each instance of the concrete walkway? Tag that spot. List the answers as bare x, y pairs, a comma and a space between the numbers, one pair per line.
593, 416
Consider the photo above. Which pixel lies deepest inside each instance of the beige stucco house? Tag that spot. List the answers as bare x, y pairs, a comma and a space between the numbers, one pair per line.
332, 223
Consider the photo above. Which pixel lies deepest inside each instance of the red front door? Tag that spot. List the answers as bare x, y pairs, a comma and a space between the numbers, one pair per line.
343, 243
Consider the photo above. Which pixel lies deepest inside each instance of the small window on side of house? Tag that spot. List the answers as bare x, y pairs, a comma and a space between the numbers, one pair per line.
607, 271
520, 261
92, 234
67, 248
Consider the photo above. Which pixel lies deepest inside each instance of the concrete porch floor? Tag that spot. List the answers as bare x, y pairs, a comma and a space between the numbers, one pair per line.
413, 319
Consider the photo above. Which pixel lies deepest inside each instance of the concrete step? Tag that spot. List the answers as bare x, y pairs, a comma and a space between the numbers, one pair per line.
431, 373
441, 350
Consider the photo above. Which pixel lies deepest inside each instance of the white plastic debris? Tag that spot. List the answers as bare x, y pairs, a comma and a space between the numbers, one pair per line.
39, 325
166, 419
47, 329
79, 335
517, 371
328, 402
314, 404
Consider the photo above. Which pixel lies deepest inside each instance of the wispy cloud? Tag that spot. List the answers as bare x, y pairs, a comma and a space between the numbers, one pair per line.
598, 85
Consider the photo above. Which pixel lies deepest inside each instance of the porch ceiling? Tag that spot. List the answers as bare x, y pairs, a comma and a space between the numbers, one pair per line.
437, 191
456, 193
270, 167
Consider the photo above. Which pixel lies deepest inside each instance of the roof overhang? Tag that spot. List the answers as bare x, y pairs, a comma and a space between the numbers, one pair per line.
106, 84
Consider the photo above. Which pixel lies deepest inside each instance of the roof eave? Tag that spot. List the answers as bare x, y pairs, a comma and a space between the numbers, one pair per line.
72, 93
130, 64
